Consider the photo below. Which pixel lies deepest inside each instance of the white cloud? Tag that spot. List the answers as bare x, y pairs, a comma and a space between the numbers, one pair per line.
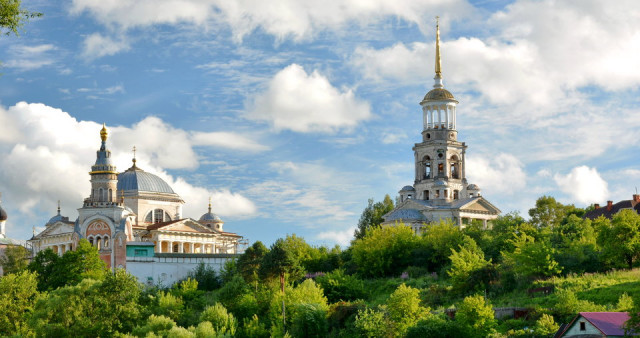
227, 140
280, 18
500, 173
583, 184
393, 137
48, 153
341, 237
26, 58
96, 46
305, 102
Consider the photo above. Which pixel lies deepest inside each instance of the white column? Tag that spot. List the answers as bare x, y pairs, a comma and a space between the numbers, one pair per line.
170, 246
446, 109
430, 117
191, 247
454, 118
180, 247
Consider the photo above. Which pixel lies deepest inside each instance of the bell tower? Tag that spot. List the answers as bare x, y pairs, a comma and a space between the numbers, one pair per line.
104, 177
439, 158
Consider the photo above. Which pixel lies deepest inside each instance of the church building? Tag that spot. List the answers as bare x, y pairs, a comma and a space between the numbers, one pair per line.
132, 214
440, 190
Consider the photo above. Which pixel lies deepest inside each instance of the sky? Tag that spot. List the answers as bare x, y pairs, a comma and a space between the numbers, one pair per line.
291, 114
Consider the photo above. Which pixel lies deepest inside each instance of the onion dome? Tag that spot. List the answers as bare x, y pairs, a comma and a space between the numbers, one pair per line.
407, 188
439, 94
472, 187
139, 180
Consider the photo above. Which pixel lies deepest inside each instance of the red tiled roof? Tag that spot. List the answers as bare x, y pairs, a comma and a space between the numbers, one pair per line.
162, 224
610, 323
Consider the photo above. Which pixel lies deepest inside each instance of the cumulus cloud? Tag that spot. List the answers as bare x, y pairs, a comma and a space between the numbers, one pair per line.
96, 46
304, 102
280, 18
25, 58
48, 153
501, 173
583, 184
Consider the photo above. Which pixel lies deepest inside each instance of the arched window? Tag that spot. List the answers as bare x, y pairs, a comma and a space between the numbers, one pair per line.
426, 195
157, 215
446, 193
456, 194
91, 240
98, 242
437, 193
454, 167
440, 168
100, 195
110, 195
175, 247
427, 167
106, 242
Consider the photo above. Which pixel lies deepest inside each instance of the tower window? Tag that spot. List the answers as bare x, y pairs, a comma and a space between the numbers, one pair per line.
426, 195
428, 136
446, 193
437, 193
455, 194
440, 168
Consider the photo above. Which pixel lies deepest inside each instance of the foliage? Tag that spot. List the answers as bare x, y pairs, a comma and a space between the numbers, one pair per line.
468, 259
250, 261
13, 16
280, 261
158, 325
169, 305
545, 326
15, 259
625, 303
476, 315
436, 327
621, 240
253, 328
44, 265
206, 277
18, 295
99, 308
372, 323
568, 305
531, 258
223, 322
550, 213
307, 292
228, 271
339, 286
310, 320
436, 245
384, 251
404, 308
342, 317
371, 217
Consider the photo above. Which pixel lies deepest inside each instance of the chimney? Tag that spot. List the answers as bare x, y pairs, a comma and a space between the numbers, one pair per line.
596, 206
609, 205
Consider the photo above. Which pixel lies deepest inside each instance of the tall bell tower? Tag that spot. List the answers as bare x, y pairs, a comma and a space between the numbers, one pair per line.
439, 158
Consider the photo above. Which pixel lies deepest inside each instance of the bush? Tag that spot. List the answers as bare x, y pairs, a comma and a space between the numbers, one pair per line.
252, 328
159, 325
384, 251
310, 321
404, 308
342, 315
339, 286
222, 321
436, 327
372, 323
206, 277
476, 315
546, 326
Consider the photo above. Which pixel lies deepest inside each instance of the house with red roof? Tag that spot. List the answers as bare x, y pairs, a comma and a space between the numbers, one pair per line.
596, 324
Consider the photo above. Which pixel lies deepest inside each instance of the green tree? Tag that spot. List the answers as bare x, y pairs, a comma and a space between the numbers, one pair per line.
545, 326
280, 261
18, 296
310, 320
222, 321
76, 265
307, 292
621, 241
372, 216
436, 327
15, 259
477, 315
468, 259
13, 16
372, 323
437, 241
250, 261
206, 277
404, 308
384, 251
531, 259
44, 264
547, 212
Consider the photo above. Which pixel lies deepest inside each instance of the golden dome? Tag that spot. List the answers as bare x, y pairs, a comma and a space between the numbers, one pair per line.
439, 94
104, 133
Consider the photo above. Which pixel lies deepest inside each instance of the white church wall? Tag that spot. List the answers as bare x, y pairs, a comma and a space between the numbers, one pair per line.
165, 271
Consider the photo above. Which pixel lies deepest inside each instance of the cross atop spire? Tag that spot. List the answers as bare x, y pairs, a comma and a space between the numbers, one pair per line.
134, 156
58, 207
209, 204
438, 77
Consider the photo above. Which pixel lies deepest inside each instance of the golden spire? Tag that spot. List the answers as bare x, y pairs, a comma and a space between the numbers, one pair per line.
104, 133
209, 204
134, 156
438, 64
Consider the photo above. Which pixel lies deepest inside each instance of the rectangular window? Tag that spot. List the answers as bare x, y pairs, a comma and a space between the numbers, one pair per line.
140, 252
583, 326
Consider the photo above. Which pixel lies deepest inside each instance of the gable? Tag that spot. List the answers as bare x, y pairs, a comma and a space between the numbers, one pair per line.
57, 228
186, 225
480, 205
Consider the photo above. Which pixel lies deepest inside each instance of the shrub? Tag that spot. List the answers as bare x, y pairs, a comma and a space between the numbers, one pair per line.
222, 321
436, 327
310, 321
339, 286
545, 326
342, 315
404, 308
159, 325
384, 251
371, 323
206, 277
253, 328
476, 315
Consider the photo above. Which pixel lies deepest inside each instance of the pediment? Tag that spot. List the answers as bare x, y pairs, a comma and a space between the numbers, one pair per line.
186, 225
58, 228
480, 205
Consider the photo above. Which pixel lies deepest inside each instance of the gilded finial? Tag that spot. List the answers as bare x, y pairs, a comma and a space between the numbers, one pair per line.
438, 64
34, 230
104, 133
209, 204
134, 156
58, 207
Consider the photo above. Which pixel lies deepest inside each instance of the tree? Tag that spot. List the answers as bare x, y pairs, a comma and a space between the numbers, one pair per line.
464, 262
249, 263
372, 323
44, 264
372, 216
18, 296
437, 242
76, 265
477, 315
404, 308
621, 240
15, 259
531, 258
280, 261
550, 213
222, 321
13, 16
384, 251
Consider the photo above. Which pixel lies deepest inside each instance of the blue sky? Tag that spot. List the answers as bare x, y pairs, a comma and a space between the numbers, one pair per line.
292, 114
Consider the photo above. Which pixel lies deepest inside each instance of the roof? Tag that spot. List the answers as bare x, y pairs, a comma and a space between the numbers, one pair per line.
210, 217
615, 208
407, 188
134, 243
609, 323
137, 179
404, 214
439, 94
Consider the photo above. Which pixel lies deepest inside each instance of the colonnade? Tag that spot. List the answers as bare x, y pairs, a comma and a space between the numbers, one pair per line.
439, 117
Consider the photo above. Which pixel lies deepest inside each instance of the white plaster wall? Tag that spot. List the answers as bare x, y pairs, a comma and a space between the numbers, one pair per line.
165, 271
574, 330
